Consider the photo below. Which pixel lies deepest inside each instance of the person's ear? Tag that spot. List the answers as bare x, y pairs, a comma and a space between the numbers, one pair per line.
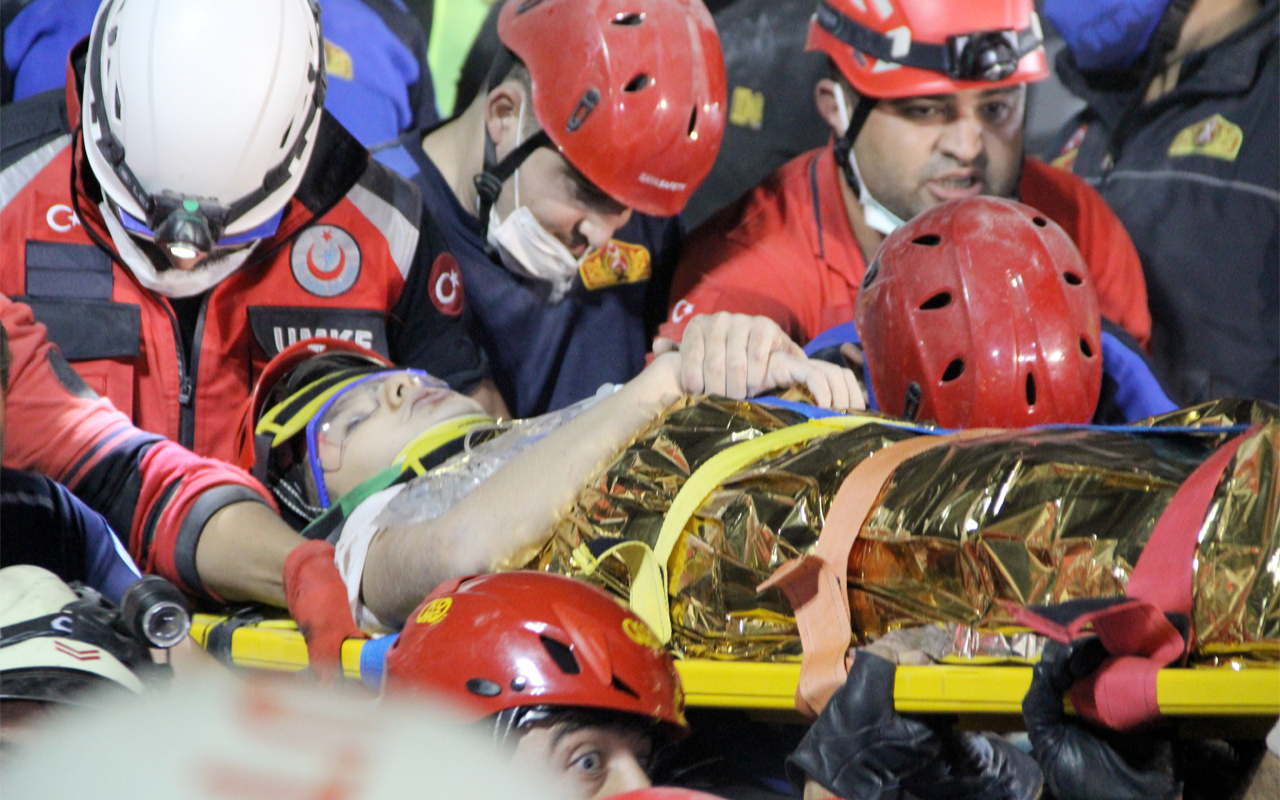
829, 107
502, 116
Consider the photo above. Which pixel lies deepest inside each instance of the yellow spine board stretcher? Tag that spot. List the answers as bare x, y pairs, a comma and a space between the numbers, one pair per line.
1254, 690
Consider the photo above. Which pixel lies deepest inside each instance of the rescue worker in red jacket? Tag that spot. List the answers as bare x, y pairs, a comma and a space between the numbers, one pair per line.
927, 104
178, 216
175, 218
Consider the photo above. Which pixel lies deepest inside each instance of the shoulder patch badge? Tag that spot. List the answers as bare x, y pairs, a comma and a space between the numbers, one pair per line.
325, 260
337, 62
1215, 137
446, 285
615, 263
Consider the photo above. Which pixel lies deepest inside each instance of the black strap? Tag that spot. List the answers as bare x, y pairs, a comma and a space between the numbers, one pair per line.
218, 640
489, 183
920, 55
844, 143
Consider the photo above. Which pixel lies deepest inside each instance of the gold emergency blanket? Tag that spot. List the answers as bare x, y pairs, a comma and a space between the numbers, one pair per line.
1030, 517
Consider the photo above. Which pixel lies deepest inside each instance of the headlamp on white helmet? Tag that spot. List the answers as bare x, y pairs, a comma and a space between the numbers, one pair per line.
48, 629
200, 116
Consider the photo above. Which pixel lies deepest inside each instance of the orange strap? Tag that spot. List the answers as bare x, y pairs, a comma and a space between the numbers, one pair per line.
817, 585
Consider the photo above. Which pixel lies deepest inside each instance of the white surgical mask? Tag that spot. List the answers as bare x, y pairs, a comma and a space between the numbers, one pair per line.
874, 213
526, 248
171, 282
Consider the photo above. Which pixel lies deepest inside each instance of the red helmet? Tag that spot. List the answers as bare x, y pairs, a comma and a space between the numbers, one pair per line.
516, 639
906, 48
279, 368
632, 92
981, 313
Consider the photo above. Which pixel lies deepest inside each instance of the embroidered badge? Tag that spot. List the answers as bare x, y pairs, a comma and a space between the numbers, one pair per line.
615, 263
1066, 158
1215, 137
337, 62
325, 260
446, 285
747, 108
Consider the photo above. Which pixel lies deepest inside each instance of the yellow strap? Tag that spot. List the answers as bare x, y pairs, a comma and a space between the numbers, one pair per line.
717, 470
282, 431
435, 437
648, 588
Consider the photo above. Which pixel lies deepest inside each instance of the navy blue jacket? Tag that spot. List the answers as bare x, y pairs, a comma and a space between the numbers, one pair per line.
1195, 178
545, 356
46, 525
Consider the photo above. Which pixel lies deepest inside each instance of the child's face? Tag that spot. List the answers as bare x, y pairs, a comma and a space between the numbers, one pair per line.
365, 428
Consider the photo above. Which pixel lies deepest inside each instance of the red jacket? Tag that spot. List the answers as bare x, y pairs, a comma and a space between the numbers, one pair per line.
786, 250
387, 283
156, 494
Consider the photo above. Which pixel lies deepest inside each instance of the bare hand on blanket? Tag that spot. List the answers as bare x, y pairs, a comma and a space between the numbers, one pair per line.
741, 356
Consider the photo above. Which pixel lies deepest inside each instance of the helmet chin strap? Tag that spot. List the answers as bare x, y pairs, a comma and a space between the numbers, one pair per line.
874, 213
489, 182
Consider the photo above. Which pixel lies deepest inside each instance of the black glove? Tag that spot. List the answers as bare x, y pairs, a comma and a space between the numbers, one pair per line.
861, 749
1078, 765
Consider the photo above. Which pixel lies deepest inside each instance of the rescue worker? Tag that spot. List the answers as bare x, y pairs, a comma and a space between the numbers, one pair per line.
175, 228
556, 188
556, 670
926, 104
174, 240
1180, 138
980, 313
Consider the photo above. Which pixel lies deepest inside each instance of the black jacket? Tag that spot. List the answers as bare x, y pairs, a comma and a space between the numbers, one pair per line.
1195, 178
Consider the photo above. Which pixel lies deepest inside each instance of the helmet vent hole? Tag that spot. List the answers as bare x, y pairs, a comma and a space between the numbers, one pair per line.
111, 35
117, 93
939, 300
562, 654
1031, 389
483, 687
954, 370
625, 689
1039, 222
637, 83
928, 240
693, 123
1072, 278
287, 131
629, 18
1085, 348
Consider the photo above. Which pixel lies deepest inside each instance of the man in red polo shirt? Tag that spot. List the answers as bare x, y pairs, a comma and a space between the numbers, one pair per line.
927, 104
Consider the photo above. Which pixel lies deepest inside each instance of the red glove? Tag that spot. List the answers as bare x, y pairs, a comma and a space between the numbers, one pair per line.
318, 603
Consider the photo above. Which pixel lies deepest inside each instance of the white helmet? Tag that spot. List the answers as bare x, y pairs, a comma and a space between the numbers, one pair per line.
35, 665
199, 116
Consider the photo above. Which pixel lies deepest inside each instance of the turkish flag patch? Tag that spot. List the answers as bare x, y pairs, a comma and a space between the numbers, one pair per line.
446, 285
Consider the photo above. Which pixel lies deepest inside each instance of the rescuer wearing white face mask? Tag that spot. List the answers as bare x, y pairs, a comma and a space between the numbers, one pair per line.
558, 185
